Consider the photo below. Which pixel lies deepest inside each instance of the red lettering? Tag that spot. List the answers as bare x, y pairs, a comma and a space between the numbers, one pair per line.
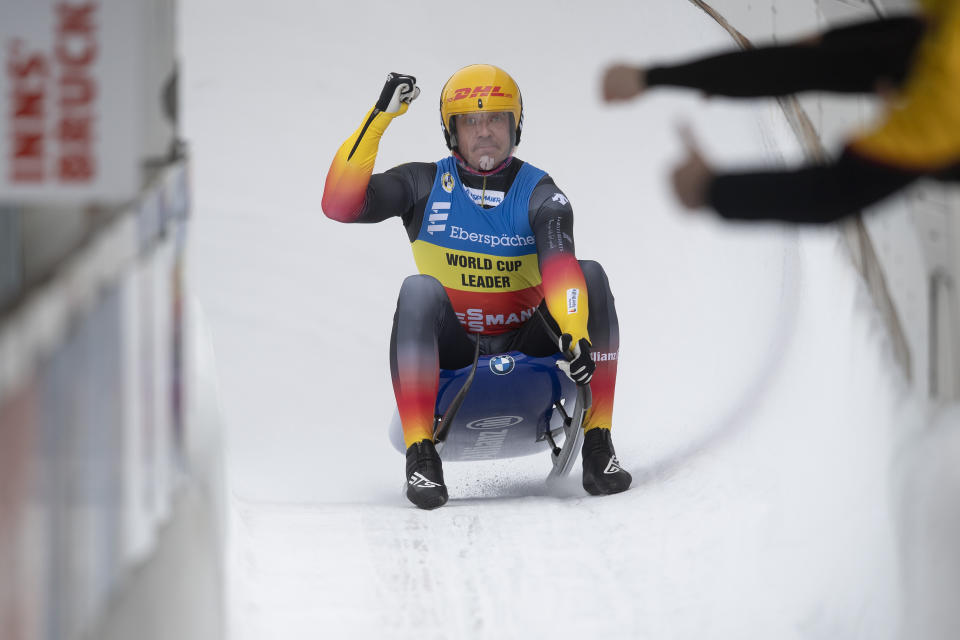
76, 49
74, 130
76, 36
475, 92
27, 127
76, 18
77, 91
28, 172
27, 145
81, 55
35, 64
76, 168
27, 104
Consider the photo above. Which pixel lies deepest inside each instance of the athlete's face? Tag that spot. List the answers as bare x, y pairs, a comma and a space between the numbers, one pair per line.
483, 138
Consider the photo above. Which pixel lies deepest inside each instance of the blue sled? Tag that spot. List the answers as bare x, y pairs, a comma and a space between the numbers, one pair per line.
505, 406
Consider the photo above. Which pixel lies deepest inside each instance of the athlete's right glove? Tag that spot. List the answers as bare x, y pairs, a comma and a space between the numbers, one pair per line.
398, 92
579, 366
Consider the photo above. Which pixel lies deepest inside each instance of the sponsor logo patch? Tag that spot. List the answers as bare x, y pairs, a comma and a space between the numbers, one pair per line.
613, 466
439, 212
494, 422
477, 321
502, 365
487, 445
573, 300
420, 481
603, 357
504, 240
559, 197
485, 197
478, 92
446, 181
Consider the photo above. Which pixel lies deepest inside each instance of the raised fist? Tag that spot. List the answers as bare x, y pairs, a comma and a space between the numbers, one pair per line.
579, 366
623, 82
398, 92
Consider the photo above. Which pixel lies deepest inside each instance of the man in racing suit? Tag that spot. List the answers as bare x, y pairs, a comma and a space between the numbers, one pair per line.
492, 237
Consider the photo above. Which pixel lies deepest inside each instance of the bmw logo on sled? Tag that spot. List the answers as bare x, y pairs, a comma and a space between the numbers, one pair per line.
502, 364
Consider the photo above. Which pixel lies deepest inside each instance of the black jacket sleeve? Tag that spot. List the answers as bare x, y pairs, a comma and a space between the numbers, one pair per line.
849, 59
551, 218
812, 194
395, 192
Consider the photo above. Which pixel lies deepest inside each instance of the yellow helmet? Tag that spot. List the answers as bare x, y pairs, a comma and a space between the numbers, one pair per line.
479, 87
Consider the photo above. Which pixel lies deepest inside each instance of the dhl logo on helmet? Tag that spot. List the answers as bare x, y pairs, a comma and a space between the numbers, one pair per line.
478, 92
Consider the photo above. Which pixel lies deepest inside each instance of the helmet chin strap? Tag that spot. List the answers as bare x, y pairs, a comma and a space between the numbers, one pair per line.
481, 171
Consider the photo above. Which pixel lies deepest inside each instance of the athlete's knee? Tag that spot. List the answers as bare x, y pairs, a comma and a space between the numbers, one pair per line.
595, 276
420, 289
421, 295
591, 268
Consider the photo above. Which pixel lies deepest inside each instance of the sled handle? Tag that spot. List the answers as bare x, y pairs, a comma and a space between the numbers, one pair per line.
446, 420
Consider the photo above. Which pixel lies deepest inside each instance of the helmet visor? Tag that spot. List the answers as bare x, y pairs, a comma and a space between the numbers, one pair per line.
485, 138
480, 119
485, 125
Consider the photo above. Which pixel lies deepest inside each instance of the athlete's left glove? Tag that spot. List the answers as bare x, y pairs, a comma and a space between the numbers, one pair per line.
579, 366
398, 92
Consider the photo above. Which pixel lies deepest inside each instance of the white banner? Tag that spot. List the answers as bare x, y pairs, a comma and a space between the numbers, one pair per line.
73, 95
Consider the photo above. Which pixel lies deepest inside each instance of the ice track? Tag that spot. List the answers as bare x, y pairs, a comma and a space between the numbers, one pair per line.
757, 404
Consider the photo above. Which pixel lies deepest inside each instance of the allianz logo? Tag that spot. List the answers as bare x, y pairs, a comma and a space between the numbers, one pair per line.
495, 422
597, 356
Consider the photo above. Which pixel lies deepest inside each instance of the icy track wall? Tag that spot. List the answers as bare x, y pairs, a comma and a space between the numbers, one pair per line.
94, 450
908, 251
109, 525
908, 248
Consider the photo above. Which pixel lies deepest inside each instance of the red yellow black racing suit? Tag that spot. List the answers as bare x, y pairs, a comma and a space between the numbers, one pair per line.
491, 248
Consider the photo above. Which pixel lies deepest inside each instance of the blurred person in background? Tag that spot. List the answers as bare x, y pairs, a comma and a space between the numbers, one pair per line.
492, 237
912, 62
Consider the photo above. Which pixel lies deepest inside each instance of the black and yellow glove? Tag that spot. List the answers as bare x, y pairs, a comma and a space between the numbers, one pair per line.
398, 92
579, 366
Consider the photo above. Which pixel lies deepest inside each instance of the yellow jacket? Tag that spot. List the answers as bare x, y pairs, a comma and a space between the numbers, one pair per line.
920, 130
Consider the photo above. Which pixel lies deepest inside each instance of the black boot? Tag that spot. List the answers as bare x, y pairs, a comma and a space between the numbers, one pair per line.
602, 473
425, 486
